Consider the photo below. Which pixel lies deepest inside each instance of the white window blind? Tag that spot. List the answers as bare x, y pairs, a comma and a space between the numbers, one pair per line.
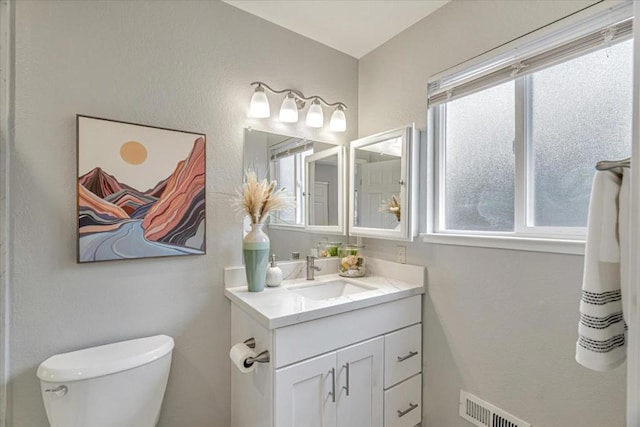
289, 148
605, 29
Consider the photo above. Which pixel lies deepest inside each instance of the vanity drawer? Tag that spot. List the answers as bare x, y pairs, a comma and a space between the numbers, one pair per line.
402, 354
308, 339
403, 404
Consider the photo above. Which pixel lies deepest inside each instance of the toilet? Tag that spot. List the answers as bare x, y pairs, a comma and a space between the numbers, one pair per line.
114, 385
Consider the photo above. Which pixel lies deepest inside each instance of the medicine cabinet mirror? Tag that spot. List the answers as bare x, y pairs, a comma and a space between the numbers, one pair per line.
324, 192
383, 185
314, 172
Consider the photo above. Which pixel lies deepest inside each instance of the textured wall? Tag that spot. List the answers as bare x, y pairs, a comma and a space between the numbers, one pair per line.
501, 324
177, 64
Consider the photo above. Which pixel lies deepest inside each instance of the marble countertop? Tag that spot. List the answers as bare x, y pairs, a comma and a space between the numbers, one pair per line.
283, 306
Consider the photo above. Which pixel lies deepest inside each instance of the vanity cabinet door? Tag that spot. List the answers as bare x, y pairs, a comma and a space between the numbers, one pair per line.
360, 384
305, 393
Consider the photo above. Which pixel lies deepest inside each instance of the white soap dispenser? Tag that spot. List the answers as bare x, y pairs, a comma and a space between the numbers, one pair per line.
274, 274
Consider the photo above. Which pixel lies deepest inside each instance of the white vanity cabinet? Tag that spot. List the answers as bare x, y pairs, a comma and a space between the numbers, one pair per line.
360, 368
342, 388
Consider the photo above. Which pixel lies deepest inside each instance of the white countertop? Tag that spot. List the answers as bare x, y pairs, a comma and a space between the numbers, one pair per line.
281, 306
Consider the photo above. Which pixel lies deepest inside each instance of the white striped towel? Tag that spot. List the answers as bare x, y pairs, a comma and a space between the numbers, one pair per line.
601, 331
624, 232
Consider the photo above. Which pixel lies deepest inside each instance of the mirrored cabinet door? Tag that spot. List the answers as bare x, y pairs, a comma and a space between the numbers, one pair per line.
324, 191
283, 158
383, 185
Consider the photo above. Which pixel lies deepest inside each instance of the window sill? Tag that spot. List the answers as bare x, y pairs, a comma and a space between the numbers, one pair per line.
532, 244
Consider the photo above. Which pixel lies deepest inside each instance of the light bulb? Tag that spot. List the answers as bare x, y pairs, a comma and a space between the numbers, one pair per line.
315, 116
338, 122
259, 107
289, 109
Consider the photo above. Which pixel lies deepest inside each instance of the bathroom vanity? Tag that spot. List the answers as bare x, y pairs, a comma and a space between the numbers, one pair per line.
343, 352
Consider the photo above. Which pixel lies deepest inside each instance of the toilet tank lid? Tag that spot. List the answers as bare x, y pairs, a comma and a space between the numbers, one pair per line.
105, 359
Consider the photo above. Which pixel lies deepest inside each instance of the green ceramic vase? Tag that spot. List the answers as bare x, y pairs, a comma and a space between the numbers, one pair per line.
255, 247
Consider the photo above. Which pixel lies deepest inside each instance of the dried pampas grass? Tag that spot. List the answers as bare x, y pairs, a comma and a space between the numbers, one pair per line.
258, 199
392, 206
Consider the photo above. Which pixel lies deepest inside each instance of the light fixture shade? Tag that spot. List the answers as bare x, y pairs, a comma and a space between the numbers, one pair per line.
289, 110
259, 107
338, 122
315, 116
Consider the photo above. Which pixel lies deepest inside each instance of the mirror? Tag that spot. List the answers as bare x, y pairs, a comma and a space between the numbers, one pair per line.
324, 197
383, 184
314, 172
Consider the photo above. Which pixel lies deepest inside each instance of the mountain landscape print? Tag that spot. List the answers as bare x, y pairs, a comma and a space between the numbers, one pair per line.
141, 191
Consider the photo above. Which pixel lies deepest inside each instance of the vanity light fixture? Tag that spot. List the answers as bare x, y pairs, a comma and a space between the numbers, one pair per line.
338, 122
315, 116
259, 107
289, 109
294, 101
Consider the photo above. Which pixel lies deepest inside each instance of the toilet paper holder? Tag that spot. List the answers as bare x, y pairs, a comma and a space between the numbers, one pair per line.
262, 357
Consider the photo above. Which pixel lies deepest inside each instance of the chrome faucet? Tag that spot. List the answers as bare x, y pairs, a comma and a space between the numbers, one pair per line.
311, 268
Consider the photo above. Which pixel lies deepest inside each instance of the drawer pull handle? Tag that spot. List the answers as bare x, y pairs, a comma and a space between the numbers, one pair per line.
347, 386
333, 385
412, 406
408, 356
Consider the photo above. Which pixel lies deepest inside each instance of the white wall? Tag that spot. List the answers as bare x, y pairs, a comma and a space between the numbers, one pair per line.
501, 324
177, 64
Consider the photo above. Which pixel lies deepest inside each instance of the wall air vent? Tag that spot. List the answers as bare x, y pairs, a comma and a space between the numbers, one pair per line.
484, 414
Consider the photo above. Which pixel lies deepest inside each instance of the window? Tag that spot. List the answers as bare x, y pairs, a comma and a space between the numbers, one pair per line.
287, 165
579, 112
478, 164
516, 144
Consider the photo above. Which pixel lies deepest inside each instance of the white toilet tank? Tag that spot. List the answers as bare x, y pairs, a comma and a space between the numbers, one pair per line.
114, 385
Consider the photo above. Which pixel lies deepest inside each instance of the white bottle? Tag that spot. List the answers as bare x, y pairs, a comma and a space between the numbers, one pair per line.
274, 274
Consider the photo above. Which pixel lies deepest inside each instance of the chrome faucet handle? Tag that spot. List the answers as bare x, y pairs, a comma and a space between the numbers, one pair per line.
311, 268
311, 262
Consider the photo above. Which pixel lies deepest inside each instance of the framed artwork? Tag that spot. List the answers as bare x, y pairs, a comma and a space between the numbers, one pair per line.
141, 191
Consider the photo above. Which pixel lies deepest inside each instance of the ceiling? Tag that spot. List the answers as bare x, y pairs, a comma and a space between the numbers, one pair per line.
354, 27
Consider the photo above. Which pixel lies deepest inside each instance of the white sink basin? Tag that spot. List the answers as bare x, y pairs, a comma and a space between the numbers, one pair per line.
328, 290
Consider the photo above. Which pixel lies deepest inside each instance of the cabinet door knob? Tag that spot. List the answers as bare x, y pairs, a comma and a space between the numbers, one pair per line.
412, 406
408, 356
